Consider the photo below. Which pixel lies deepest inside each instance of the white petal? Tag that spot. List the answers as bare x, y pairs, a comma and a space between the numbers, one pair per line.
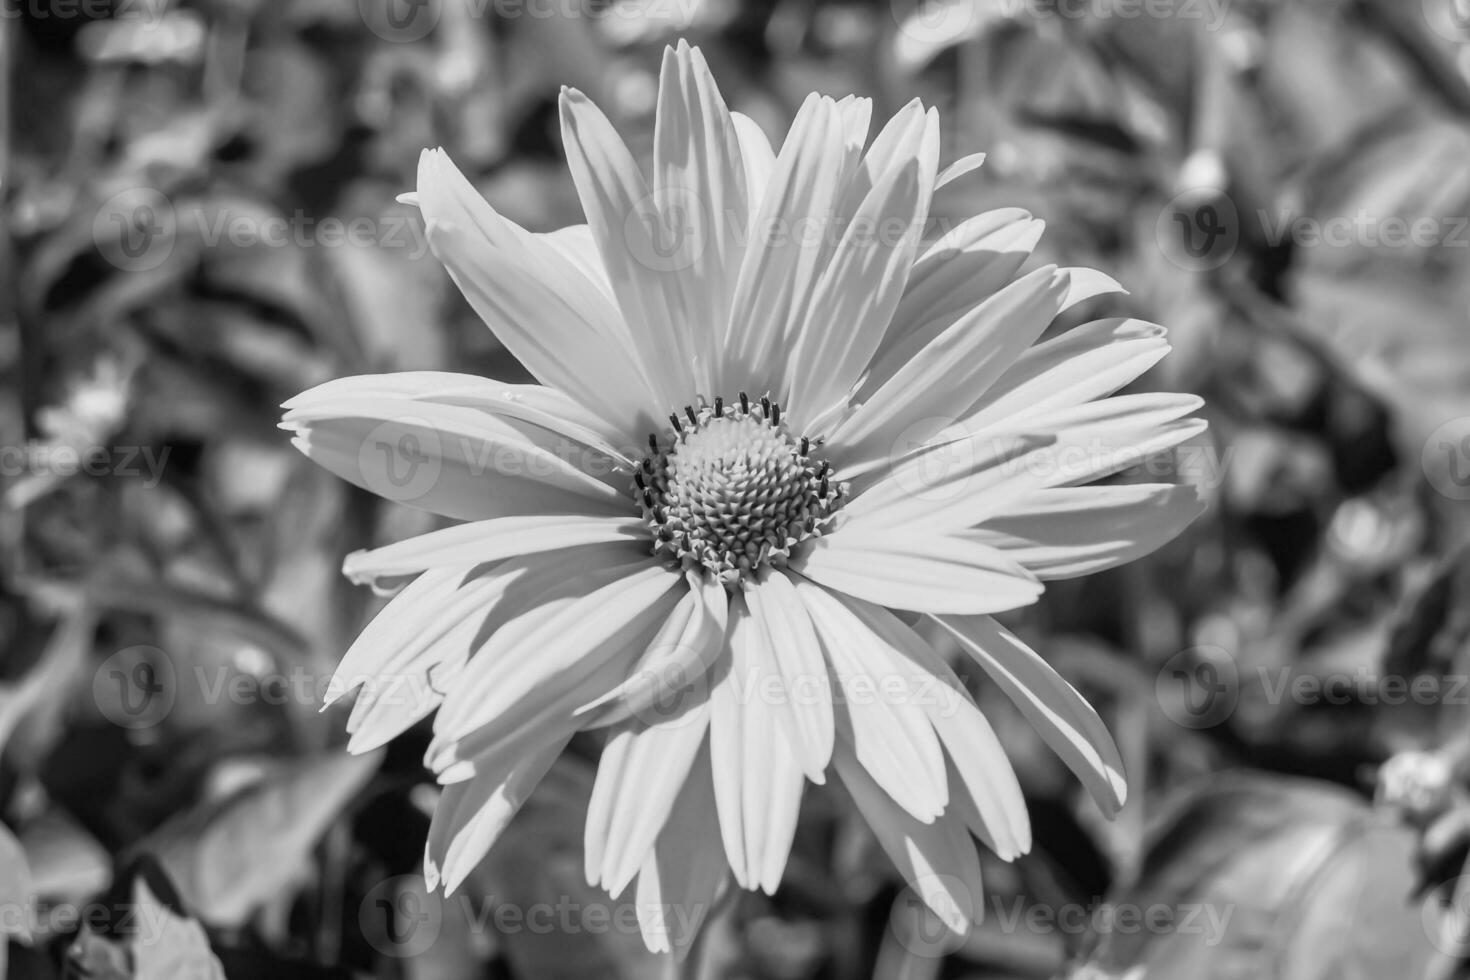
1100, 438
756, 155
958, 272
792, 647
639, 777
964, 165
921, 572
629, 223
758, 782
470, 816
543, 308
781, 262
1060, 715
883, 720
699, 178
941, 381
1064, 532
671, 675
955, 482
1085, 363
680, 882
938, 859
456, 461
488, 541
564, 636
985, 776
577, 246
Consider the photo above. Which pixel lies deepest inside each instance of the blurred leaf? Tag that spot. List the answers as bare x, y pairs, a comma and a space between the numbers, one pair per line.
18, 891
169, 946
1271, 878
229, 856
67, 863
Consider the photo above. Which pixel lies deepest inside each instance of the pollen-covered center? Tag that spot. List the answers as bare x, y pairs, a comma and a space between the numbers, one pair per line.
731, 489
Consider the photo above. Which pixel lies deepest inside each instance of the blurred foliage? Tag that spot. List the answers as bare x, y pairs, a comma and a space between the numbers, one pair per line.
170, 613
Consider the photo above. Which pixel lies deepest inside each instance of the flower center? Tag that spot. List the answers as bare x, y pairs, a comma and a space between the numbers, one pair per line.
734, 489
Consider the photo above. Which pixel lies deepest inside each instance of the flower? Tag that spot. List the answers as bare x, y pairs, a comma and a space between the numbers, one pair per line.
768, 416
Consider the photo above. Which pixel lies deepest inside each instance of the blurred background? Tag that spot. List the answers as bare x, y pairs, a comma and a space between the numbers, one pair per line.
199, 222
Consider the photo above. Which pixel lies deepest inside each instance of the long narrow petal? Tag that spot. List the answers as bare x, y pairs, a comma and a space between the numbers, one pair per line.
941, 381
478, 542
956, 481
470, 816
699, 178
781, 262
797, 656
976, 756
538, 655
962, 269
680, 881
639, 777
448, 459
673, 673
921, 572
1064, 532
644, 254
938, 859
1060, 715
961, 167
882, 719
758, 782
1088, 362
1103, 437
547, 312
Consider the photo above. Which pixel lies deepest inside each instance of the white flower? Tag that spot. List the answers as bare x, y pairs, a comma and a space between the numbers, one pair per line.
767, 416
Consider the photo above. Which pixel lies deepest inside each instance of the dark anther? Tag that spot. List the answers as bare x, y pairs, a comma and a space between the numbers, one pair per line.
648, 465
775, 416
806, 444
719, 406
823, 488
689, 411
638, 479
766, 406
744, 403
675, 420
653, 443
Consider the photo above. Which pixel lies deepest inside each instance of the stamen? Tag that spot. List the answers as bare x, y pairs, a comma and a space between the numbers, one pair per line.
734, 493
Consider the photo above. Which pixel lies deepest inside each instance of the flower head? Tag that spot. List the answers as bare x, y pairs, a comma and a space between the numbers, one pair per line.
769, 415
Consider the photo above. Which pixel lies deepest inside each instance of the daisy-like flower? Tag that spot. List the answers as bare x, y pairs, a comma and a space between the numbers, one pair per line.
769, 417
